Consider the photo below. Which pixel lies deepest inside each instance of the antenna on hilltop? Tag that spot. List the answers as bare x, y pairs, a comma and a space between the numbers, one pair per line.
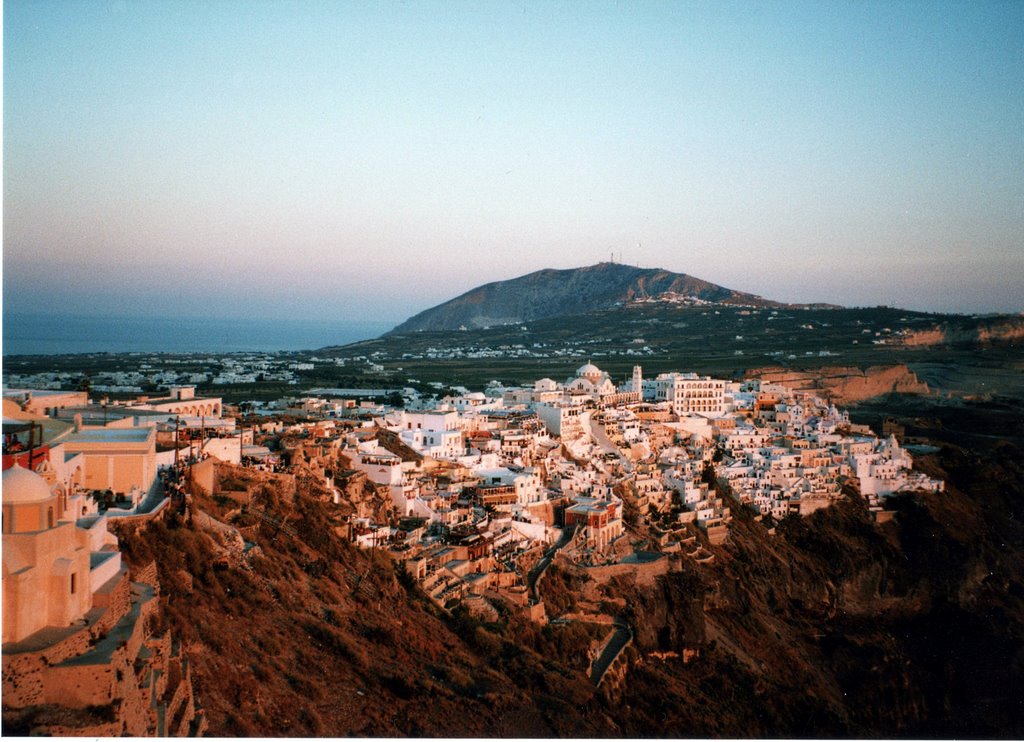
612, 258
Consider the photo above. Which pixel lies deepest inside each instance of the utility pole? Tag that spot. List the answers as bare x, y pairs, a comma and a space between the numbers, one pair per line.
176, 421
32, 444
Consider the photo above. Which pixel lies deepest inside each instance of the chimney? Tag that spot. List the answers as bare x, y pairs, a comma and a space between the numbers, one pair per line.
78, 422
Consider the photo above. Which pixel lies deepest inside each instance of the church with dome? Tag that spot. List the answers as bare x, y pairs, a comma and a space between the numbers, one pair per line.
48, 560
80, 656
591, 383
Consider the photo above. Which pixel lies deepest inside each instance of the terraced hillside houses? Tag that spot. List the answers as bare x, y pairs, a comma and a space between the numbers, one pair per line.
483, 484
476, 493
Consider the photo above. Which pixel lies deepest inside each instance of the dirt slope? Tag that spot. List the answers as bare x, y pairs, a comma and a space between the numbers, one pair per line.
834, 626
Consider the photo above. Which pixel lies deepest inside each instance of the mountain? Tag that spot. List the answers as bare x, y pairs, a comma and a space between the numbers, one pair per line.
553, 293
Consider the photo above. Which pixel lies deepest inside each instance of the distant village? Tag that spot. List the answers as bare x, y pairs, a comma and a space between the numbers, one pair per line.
473, 494
141, 373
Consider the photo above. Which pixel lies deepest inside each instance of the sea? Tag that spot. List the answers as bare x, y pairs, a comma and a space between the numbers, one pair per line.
55, 334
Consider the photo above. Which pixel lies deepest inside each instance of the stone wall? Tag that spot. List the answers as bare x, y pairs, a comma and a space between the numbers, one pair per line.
78, 686
117, 516
645, 572
147, 574
101, 668
717, 534
104, 729
537, 613
179, 699
505, 579
117, 603
23, 672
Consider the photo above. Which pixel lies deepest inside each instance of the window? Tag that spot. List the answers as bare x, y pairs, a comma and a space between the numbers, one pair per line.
49, 520
74, 583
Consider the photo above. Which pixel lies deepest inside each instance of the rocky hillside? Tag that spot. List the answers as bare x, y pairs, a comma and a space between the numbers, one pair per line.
845, 385
300, 633
554, 293
981, 332
831, 625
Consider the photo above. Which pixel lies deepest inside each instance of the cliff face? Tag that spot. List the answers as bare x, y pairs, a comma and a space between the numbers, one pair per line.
845, 384
983, 332
552, 293
670, 616
837, 626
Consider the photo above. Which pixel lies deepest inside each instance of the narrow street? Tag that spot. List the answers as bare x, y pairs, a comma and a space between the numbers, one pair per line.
545, 561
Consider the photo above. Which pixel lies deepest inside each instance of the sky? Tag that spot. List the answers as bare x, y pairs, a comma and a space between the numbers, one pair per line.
370, 160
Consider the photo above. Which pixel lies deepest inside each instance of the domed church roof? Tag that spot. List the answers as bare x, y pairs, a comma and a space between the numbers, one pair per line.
588, 371
22, 486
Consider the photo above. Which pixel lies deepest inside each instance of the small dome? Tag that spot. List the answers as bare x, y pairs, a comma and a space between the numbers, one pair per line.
22, 486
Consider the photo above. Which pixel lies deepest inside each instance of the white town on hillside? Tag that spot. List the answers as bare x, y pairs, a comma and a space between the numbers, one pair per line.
483, 488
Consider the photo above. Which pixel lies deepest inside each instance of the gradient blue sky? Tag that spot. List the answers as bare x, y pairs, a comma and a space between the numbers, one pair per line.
373, 159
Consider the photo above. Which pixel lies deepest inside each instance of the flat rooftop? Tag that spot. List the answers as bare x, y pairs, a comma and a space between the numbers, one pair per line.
112, 435
111, 412
38, 392
166, 400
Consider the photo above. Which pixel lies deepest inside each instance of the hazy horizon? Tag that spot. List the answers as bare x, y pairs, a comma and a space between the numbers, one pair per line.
273, 159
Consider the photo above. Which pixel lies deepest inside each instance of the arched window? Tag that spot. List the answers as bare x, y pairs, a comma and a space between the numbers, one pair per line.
49, 517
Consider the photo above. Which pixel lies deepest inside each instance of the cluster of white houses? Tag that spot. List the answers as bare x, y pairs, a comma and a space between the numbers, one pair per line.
516, 469
480, 483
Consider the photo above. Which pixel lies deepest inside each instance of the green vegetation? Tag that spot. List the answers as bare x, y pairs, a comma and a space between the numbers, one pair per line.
723, 341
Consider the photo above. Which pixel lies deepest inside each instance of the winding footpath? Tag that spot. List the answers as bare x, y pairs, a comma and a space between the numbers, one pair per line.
539, 568
621, 637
